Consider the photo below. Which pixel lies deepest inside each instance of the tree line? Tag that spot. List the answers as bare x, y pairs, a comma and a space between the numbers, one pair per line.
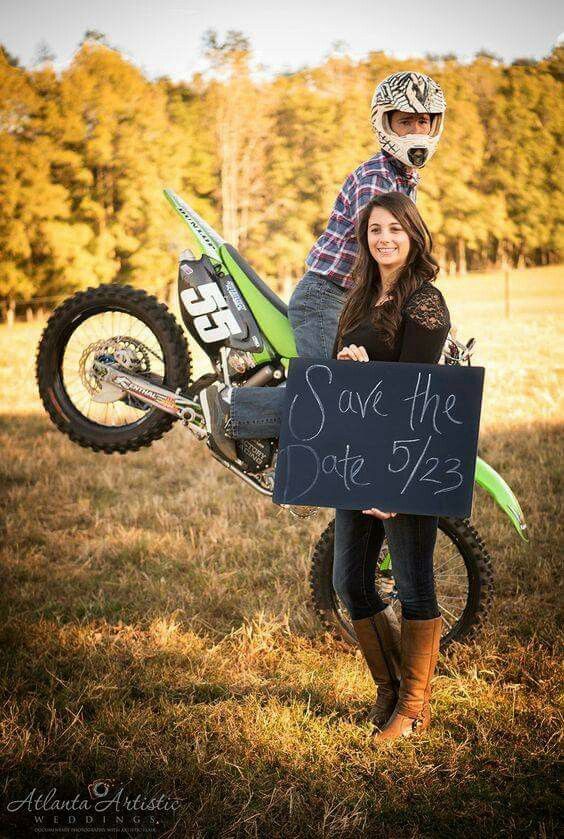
85, 154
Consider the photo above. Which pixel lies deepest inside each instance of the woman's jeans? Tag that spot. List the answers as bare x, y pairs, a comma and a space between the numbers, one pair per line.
314, 310
411, 541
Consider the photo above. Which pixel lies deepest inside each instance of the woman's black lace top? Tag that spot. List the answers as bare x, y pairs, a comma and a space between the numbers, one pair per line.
420, 337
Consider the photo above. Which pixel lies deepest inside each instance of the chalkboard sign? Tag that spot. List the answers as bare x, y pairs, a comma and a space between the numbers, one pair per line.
400, 437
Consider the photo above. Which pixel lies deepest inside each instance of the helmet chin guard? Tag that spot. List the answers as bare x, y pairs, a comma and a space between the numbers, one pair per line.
411, 93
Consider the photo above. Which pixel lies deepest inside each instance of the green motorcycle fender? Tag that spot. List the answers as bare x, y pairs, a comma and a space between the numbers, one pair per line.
502, 494
205, 238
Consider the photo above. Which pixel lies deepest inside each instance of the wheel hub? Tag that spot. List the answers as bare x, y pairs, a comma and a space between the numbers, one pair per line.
126, 351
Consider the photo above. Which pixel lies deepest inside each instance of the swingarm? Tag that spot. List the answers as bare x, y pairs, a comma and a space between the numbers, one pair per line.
116, 383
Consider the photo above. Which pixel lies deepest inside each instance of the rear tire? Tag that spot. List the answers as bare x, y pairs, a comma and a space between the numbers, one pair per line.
473, 555
60, 327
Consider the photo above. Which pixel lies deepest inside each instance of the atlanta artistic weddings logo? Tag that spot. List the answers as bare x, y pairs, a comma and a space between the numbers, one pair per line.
107, 805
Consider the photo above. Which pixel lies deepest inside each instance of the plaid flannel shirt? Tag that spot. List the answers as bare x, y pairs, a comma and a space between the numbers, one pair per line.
334, 252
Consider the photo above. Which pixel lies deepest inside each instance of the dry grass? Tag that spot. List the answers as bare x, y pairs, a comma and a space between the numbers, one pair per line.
155, 625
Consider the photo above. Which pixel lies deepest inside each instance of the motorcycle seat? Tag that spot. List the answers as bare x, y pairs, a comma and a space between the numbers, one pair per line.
264, 289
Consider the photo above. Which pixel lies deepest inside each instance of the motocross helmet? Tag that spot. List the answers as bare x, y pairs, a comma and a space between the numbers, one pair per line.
414, 93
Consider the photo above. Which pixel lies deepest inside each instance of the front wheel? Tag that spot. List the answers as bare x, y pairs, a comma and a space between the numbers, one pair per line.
109, 320
463, 580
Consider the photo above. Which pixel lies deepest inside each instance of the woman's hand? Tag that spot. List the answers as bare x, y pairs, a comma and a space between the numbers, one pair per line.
353, 353
378, 514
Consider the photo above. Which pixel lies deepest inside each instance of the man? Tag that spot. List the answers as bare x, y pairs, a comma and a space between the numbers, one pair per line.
407, 115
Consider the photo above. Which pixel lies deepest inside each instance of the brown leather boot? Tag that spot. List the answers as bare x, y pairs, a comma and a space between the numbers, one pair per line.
420, 641
379, 639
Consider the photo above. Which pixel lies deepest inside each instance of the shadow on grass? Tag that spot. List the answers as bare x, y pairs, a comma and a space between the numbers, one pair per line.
94, 686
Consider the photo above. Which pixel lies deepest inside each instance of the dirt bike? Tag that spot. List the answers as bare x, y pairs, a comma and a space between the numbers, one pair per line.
114, 374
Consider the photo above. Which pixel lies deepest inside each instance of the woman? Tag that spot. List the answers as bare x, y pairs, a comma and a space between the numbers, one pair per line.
393, 313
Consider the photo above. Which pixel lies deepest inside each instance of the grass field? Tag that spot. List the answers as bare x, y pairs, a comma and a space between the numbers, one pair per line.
155, 628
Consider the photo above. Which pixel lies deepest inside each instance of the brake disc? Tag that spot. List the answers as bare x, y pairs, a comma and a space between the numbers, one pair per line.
127, 352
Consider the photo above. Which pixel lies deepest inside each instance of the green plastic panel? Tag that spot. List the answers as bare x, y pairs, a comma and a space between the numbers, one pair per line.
501, 492
272, 322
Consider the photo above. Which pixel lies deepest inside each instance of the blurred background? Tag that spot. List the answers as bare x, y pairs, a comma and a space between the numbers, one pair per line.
255, 117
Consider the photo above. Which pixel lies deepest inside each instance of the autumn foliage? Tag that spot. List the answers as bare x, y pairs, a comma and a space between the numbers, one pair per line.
85, 154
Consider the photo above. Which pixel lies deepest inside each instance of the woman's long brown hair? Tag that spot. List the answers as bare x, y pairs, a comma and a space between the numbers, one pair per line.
419, 267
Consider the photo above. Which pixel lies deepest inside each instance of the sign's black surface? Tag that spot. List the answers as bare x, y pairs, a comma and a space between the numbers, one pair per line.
400, 437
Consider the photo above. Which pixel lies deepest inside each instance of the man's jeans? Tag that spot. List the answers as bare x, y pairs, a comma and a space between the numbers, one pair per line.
314, 310
411, 541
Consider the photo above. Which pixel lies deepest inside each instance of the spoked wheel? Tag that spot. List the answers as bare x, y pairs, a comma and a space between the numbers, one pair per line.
130, 327
463, 580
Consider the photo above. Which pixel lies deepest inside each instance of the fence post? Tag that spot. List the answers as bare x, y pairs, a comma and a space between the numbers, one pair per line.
506, 291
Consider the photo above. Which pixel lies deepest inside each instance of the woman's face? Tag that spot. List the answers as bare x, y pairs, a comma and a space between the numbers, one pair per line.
387, 240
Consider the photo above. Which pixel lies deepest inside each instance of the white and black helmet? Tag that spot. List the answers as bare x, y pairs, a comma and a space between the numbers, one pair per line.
417, 94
